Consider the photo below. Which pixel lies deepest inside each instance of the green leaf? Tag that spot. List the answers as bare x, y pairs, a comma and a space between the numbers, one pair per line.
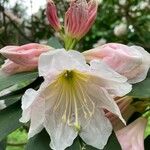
16, 95
54, 42
3, 144
39, 142
112, 144
147, 143
76, 145
141, 90
9, 81
9, 120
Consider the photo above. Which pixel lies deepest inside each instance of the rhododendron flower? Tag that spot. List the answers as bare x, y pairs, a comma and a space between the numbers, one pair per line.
132, 62
71, 99
80, 17
51, 13
22, 58
132, 136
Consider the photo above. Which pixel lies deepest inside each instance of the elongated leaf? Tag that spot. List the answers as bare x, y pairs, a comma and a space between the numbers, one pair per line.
147, 143
39, 142
3, 145
112, 144
54, 42
9, 120
9, 81
18, 93
141, 90
76, 145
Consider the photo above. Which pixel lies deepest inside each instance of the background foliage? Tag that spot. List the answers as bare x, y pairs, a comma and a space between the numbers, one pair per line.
17, 28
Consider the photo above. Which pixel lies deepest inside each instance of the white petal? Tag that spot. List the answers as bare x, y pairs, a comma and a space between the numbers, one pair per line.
37, 116
62, 136
59, 60
2, 104
27, 100
103, 100
107, 78
78, 56
97, 131
103, 70
33, 109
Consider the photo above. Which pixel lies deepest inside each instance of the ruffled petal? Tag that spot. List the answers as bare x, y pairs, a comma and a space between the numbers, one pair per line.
139, 73
97, 130
60, 60
102, 75
33, 107
27, 100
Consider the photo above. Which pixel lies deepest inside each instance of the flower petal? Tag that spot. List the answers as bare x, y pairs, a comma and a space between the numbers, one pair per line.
33, 109
104, 76
2, 104
27, 100
132, 136
142, 70
103, 100
62, 136
59, 60
10, 68
97, 131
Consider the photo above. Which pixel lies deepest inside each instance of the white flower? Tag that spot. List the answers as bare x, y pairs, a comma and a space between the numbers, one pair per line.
100, 42
71, 99
122, 2
120, 29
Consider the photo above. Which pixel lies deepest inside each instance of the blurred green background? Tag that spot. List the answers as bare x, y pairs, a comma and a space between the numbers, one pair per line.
123, 21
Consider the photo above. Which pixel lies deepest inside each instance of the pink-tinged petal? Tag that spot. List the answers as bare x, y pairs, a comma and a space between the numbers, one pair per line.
80, 17
26, 54
10, 68
132, 136
51, 13
132, 62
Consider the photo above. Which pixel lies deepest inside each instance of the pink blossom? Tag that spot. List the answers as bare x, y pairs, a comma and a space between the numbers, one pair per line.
51, 12
22, 58
132, 136
80, 17
132, 62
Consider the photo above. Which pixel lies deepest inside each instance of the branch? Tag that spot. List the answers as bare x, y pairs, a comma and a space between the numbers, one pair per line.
11, 18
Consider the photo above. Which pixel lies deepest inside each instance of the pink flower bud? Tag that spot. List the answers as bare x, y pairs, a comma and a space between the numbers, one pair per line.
132, 62
132, 136
80, 17
22, 58
51, 13
10, 68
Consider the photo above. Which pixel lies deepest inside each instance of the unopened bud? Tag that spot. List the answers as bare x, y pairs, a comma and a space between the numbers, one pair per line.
51, 13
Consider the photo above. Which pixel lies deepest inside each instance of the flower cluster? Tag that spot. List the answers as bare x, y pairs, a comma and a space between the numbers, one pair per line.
82, 93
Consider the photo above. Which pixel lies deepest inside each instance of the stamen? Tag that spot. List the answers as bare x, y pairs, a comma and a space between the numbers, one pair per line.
74, 99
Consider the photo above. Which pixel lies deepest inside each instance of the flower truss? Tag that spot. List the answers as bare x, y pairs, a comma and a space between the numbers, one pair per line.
83, 94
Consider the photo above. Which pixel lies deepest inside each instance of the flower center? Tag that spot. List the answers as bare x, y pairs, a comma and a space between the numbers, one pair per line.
73, 98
